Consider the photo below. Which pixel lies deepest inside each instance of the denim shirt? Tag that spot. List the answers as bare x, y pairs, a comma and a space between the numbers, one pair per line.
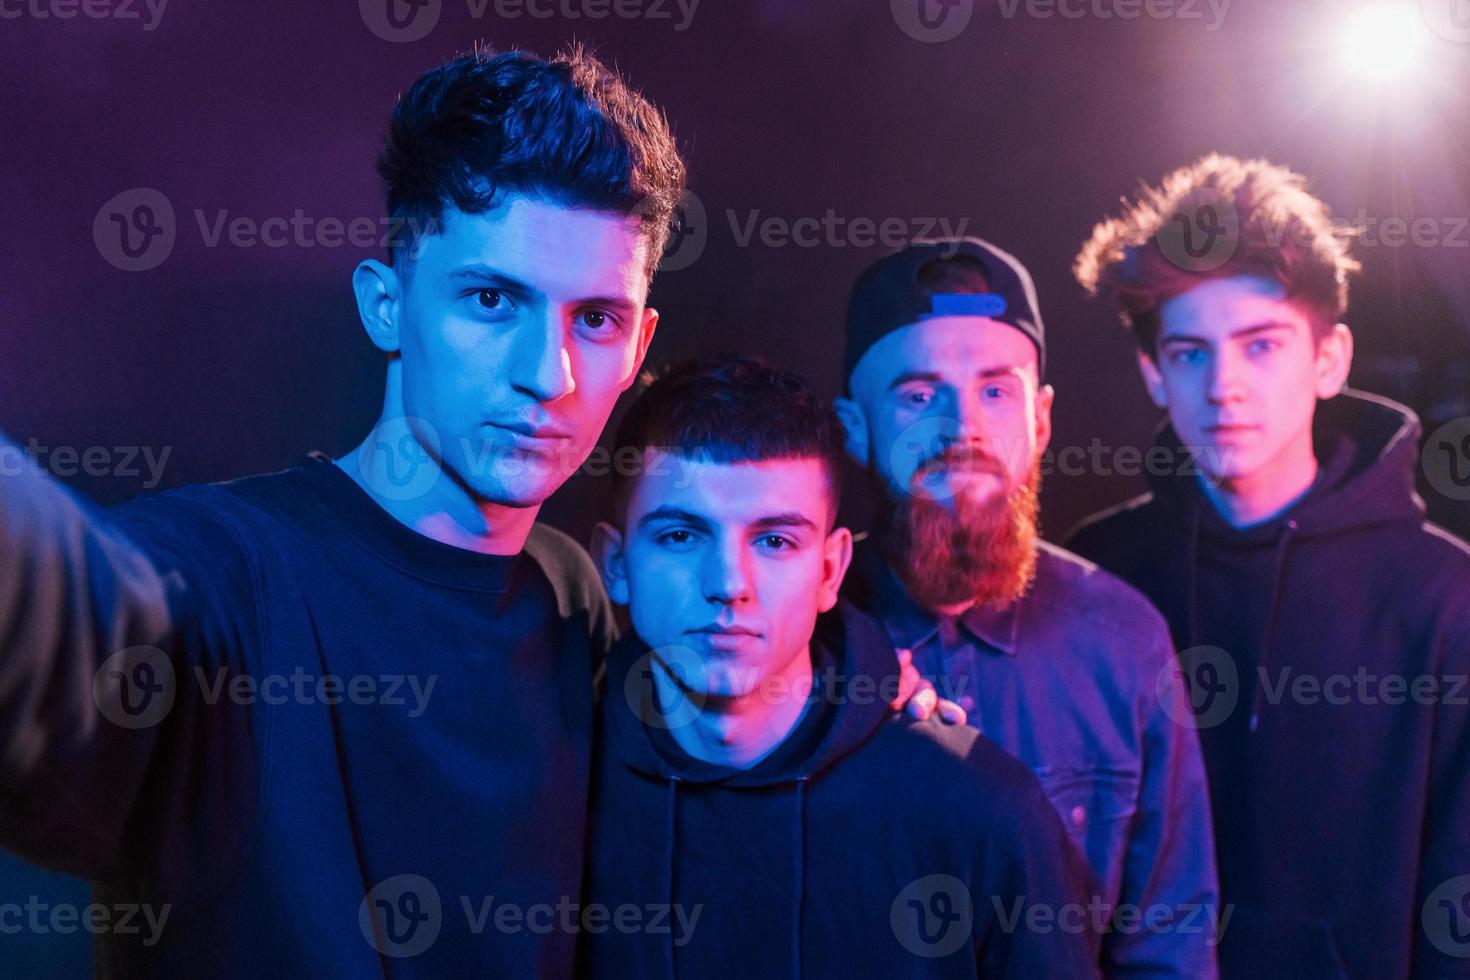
1078, 680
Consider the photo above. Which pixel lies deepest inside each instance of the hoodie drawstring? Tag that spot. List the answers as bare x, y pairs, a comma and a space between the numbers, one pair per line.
800, 876
1278, 577
1276, 581
669, 835
799, 840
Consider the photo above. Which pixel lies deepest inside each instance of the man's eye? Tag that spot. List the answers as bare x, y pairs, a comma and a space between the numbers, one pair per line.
1265, 345
776, 542
491, 299
917, 398
675, 537
994, 391
1189, 355
596, 319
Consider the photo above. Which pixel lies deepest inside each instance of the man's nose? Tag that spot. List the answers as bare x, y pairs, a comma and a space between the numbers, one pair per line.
541, 363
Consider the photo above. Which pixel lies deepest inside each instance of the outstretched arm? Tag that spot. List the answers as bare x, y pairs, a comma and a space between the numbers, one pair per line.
87, 627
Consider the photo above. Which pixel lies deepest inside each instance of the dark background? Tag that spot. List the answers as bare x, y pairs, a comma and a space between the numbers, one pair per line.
240, 359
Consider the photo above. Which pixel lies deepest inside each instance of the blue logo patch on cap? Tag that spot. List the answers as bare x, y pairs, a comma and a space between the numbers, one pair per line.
967, 304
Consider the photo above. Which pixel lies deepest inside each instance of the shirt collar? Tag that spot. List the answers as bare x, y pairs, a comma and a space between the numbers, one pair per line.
911, 626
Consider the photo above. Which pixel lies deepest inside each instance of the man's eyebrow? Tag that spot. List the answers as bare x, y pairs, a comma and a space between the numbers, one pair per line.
1250, 331
1006, 369
908, 376
789, 518
667, 513
990, 372
478, 272
1259, 328
618, 304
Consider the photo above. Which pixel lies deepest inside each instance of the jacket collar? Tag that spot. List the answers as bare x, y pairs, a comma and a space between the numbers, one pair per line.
909, 625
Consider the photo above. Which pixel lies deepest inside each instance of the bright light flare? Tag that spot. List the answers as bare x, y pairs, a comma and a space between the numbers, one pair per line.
1385, 41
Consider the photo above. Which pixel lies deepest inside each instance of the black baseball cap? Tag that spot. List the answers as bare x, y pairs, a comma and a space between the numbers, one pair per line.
888, 296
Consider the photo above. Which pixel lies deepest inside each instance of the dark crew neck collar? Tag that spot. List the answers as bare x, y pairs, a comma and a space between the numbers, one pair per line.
398, 544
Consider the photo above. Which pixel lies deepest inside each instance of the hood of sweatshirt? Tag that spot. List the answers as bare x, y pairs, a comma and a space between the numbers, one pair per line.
845, 646
1367, 449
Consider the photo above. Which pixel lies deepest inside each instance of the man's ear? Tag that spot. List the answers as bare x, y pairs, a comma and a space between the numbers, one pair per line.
607, 553
1153, 380
1334, 360
1044, 397
379, 294
836, 556
645, 338
850, 413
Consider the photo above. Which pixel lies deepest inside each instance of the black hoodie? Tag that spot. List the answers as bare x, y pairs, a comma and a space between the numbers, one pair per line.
854, 850
1329, 650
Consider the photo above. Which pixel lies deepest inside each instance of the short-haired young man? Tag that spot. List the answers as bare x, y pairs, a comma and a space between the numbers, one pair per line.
746, 785
1058, 662
320, 718
1325, 625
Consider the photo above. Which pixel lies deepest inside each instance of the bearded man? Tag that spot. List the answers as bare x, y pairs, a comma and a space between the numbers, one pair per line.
1058, 662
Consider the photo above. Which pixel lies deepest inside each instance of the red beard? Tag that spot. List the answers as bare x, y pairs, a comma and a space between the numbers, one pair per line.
961, 551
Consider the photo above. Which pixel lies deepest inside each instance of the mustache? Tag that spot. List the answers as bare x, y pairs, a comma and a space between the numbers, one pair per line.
974, 457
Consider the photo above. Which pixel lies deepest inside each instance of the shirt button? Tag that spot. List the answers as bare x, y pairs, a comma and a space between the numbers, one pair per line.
1079, 816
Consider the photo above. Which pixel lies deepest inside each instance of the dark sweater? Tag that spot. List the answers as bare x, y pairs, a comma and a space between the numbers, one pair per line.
266, 805
1340, 805
850, 851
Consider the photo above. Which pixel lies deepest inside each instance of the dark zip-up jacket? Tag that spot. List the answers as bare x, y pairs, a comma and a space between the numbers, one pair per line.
1328, 651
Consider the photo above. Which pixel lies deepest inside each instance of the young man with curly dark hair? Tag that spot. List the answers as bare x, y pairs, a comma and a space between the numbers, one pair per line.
333, 720
1324, 625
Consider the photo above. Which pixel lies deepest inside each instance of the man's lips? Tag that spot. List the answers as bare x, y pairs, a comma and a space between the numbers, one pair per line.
529, 434
715, 629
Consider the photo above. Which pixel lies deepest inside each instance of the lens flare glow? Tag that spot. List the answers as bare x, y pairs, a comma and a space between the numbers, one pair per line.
1385, 41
